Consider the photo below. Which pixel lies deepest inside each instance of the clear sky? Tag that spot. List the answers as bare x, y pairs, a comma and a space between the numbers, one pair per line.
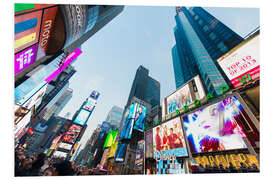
140, 35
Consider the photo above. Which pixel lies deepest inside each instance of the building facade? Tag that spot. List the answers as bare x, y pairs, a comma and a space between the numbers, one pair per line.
114, 117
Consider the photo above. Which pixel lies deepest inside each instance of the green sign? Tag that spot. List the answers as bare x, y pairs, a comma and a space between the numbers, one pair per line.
22, 7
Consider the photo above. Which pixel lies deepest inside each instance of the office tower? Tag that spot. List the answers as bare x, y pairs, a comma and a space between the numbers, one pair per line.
200, 40
144, 88
54, 29
114, 117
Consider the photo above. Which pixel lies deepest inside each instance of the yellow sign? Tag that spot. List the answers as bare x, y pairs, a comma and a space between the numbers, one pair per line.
24, 40
235, 159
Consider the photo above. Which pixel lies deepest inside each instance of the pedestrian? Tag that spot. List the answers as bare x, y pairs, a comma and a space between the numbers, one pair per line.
49, 171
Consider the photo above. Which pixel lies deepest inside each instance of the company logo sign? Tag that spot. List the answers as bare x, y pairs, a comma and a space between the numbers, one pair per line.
24, 59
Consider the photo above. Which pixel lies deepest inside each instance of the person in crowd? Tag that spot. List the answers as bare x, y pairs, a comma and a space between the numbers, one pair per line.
64, 169
37, 164
49, 171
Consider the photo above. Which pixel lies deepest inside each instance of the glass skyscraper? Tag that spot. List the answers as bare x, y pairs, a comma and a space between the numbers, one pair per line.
114, 117
200, 40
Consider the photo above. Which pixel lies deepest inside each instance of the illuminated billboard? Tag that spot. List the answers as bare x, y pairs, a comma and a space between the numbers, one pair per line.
82, 117
72, 133
184, 96
19, 114
120, 153
168, 139
24, 59
170, 167
46, 29
140, 118
60, 154
242, 62
139, 155
65, 146
111, 137
149, 143
216, 127
94, 94
113, 149
129, 122
90, 104
26, 29
20, 8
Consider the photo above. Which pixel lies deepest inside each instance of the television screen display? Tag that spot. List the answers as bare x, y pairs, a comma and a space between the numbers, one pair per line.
168, 139
140, 118
120, 153
72, 133
139, 155
82, 117
110, 138
216, 127
129, 122
113, 149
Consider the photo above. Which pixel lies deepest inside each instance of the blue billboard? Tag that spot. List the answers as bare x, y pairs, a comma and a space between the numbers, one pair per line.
140, 118
94, 94
82, 117
129, 122
120, 153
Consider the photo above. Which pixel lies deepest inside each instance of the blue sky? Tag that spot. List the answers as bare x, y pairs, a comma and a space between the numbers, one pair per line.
140, 35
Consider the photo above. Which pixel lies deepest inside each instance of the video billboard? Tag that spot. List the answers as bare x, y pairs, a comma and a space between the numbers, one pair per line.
26, 29
120, 153
95, 95
139, 156
113, 149
65, 146
140, 118
82, 117
168, 140
149, 143
215, 127
71, 135
90, 104
129, 122
111, 137
184, 96
24, 59
243, 62
60, 154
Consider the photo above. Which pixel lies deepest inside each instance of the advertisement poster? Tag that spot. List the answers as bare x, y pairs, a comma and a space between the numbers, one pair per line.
26, 30
170, 167
215, 127
60, 154
82, 117
113, 149
65, 146
129, 121
140, 118
71, 135
24, 59
241, 61
120, 153
184, 96
19, 114
20, 8
110, 139
168, 140
149, 143
94, 95
90, 104
46, 28
139, 156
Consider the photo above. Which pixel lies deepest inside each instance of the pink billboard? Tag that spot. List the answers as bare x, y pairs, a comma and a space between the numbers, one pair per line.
24, 59
65, 62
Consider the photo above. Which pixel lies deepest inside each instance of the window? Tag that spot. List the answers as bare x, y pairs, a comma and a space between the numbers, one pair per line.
205, 28
212, 36
200, 22
222, 47
196, 17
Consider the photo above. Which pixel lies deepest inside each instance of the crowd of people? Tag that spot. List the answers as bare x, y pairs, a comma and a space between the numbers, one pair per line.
41, 165
199, 169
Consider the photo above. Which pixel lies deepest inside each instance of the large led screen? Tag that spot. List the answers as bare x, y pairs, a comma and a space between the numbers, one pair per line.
140, 118
82, 117
242, 62
120, 153
60, 154
129, 121
184, 96
149, 143
215, 127
110, 139
168, 139
113, 149
139, 155
90, 104
71, 135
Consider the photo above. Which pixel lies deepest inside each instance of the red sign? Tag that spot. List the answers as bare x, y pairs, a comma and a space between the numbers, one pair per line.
26, 30
72, 133
30, 131
36, 7
46, 28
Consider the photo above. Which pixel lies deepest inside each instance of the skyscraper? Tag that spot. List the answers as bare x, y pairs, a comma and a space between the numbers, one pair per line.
144, 88
200, 40
114, 117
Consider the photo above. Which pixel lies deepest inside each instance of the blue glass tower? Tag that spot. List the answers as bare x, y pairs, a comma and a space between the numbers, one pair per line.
200, 40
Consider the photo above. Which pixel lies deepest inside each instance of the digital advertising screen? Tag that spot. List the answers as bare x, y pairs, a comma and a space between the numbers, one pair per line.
65, 146
169, 167
139, 155
129, 122
168, 139
95, 95
184, 96
111, 137
243, 62
113, 149
82, 117
60, 154
120, 153
149, 143
90, 104
215, 127
71, 135
140, 118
